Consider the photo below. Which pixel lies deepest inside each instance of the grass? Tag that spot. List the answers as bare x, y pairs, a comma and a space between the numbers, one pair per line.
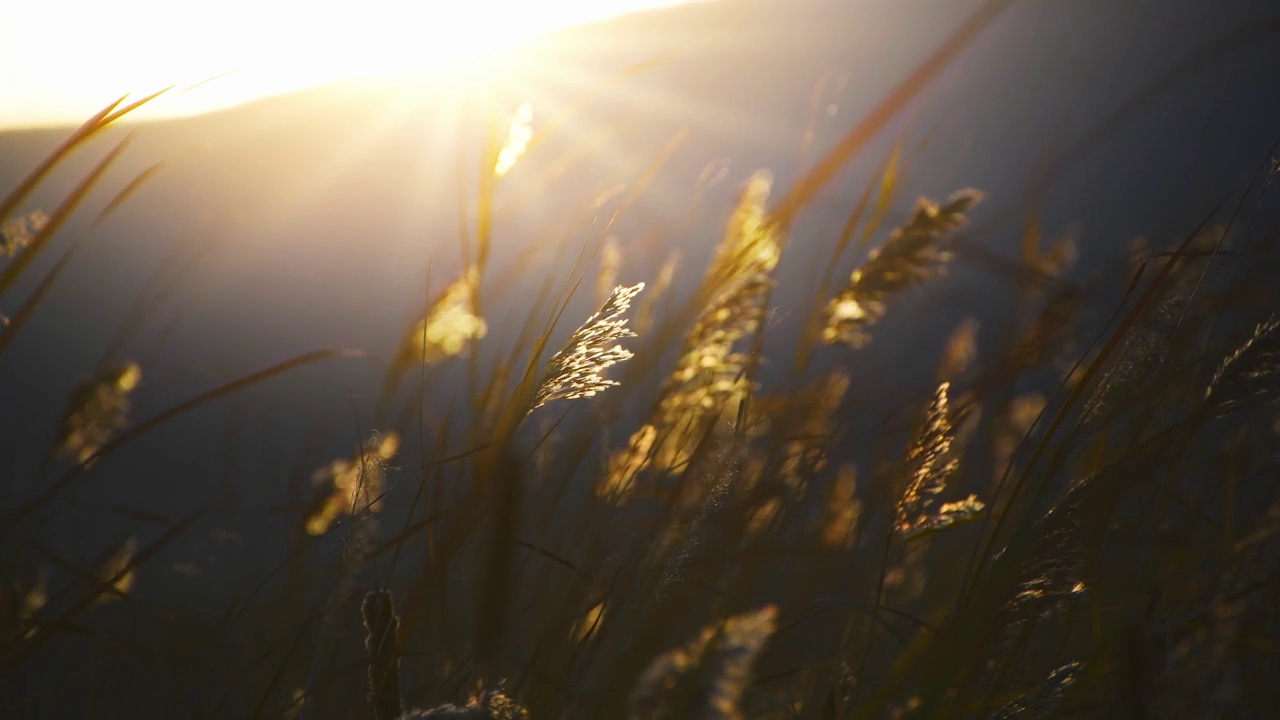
1076, 519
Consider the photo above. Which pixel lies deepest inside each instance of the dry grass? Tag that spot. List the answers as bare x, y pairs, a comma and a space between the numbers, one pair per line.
712, 537
911, 255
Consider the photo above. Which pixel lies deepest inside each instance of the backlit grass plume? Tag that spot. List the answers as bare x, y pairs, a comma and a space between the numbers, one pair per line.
17, 233
589, 625
97, 410
1045, 699
447, 327
708, 376
710, 373
751, 243
576, 371
1251, 372
705, 678
519, 133
351, 486
488, 705
913, 253
932, 463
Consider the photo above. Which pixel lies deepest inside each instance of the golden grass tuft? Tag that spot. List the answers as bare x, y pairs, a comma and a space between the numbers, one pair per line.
1249, 373
931, 464
351, 486
589, 625
448, 326
912, 254
571, 596
97, 410
710, 374
17, 233
705, 678
487, 705
751, 243
576, 370
519, 134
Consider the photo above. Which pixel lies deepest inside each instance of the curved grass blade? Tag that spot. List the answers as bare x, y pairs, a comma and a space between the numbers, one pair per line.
28, 307
59, 216
807, 187
102, 119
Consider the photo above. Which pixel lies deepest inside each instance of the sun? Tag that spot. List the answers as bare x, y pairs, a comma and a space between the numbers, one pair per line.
63, 59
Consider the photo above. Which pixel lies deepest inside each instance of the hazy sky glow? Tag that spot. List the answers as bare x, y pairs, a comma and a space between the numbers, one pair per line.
61, 60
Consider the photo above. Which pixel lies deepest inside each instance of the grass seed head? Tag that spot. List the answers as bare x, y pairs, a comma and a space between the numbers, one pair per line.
1250, 373
17, 233
710, 375
913, 253
931, 464
488, 705
97, 410
351, 486
519, 134
577, 371
448, 327
706, 678
751, 243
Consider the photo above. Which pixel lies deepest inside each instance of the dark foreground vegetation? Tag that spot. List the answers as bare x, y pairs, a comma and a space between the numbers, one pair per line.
649, 516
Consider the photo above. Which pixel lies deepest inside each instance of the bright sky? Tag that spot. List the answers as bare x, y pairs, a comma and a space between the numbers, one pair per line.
62, 60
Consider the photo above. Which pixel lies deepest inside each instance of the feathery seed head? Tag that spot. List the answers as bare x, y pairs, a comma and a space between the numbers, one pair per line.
709, 375
751, 244
17, 233
519, 133
576, 371
1251, 372
705, 679
350, 486
931, 464
489, 705
97, 409
447, 327
912, 254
